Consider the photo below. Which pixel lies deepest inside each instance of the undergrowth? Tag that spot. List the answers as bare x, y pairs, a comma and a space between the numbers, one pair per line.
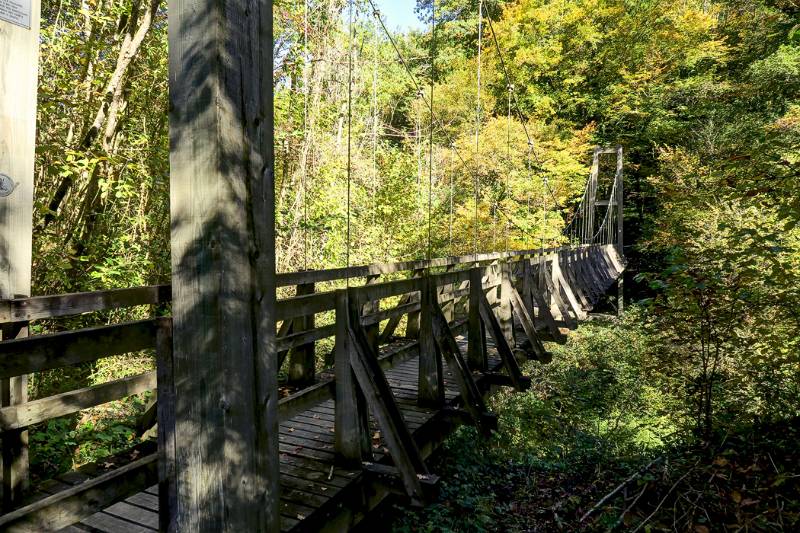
597, 416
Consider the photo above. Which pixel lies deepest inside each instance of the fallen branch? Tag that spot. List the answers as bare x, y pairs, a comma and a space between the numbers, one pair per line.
651, 515
621, 486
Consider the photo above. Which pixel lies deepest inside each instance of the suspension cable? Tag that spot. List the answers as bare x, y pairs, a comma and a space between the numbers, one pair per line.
478, 121
510, 164
430, 133
349, 129
304, 170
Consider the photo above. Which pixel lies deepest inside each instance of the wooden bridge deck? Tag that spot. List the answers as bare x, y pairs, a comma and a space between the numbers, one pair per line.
313, 489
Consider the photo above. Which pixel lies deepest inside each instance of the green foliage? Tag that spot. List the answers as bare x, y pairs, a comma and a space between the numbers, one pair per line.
62, 444
591, 414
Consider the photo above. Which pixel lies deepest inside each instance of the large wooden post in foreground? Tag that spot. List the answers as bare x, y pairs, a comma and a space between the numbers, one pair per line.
223, 265
19, 62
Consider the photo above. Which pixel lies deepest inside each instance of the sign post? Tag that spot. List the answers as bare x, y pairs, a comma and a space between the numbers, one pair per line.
19, 62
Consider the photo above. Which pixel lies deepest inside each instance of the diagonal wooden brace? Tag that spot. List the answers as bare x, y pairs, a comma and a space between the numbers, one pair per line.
503, 348
518, 305
473, 400
372, 381
547, 316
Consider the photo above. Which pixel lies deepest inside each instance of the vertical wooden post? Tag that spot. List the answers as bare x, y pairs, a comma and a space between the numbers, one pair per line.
19, 65
527, 284
412, 324
592, 197
302, 360
431, 377
223, 265
373, 331
351, 438
506, 316
476, 354
165, 407
449, 304
619, 197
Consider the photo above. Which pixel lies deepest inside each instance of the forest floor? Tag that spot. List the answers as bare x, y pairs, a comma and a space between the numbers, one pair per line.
584, 450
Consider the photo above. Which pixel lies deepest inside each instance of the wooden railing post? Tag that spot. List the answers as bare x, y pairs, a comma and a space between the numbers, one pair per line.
19, 61
618, 177
167, 489
14, 391
372, 331
449, 304
302, 360
527, 284
504, 311
431, 379
476, 354
351, 438
412, 325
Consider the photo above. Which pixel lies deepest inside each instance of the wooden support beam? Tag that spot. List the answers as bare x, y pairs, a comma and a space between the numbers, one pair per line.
46, 352
167, 480
19, 65
302, 359
561, 283
530, 330
504, 313
470, 394
527, 285
569, 269
394, 321
351, 439
372, 381
412, 323
42, 307
563, 310
543, 306
390, 479
430, 382
284, 331
449, 304
372, 306
503, 348
22, 415
618, 177
222, 204
476, 348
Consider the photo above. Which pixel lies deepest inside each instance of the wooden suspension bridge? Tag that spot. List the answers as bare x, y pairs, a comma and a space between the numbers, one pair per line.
230, 453
336, 461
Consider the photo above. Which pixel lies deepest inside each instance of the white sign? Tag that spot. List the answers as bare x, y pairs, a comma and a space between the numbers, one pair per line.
16, 12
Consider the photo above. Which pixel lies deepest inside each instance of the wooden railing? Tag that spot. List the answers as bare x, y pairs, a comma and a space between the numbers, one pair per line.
436, 298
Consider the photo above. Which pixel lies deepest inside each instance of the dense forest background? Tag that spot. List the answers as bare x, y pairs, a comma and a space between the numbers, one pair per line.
704, 96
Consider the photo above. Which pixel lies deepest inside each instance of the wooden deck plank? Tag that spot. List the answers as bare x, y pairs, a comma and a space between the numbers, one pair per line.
106, 523
135, 514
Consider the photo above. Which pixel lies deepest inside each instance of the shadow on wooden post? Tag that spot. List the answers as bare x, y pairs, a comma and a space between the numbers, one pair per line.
302, 360
372, 382
352, 441
430, 384
485, 421
167, 491
476, 352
